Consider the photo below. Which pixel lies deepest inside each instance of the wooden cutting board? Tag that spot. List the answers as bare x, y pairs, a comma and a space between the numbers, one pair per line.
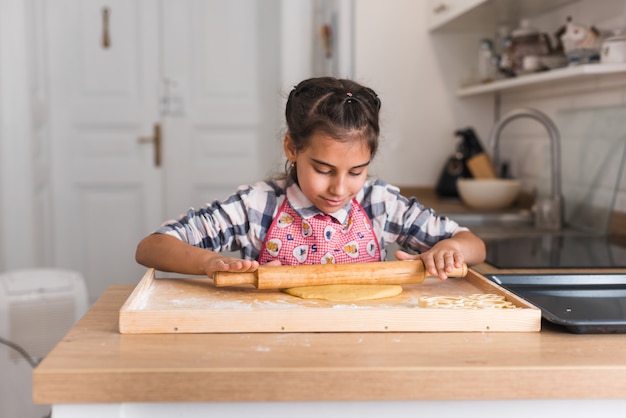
197, 306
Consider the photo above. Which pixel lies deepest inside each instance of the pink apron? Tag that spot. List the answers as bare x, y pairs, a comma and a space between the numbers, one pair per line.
320, 239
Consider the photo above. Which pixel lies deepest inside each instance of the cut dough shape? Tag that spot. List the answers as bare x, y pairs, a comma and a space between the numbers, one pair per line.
345, 292
476, 301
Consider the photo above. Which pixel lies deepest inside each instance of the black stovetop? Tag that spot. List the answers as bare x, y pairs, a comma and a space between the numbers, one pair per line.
555, 251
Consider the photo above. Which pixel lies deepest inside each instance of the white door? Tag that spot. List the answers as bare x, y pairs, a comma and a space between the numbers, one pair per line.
117, 69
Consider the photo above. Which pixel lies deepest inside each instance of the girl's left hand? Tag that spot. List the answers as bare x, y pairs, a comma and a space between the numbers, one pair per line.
450, 253
437, 261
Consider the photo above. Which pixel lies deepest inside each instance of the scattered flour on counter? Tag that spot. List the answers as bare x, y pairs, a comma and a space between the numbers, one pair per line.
262, 349
142, 301
366, 307
277, 304
204, 303
230, 304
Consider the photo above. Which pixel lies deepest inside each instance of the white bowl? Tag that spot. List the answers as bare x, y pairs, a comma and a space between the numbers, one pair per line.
488, 194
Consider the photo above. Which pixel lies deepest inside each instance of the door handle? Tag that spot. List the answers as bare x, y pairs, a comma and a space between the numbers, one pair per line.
156, 140
106, 38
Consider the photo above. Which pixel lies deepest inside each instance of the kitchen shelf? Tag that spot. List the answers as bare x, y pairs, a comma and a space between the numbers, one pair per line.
463, 15
568, 73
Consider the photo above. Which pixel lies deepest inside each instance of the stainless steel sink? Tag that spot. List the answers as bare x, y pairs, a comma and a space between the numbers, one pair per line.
512, 224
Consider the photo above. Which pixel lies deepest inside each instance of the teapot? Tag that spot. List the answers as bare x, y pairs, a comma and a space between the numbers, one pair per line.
581, 43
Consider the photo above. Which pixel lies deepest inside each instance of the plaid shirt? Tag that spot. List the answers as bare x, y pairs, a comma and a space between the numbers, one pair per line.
241, 222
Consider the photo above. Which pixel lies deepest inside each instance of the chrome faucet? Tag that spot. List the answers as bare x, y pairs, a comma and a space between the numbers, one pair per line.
548, 211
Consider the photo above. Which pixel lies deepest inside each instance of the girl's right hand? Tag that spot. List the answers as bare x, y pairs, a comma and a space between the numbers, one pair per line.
222, 263
167, 253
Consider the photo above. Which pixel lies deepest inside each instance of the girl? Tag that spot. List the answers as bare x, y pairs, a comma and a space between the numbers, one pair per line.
323, 210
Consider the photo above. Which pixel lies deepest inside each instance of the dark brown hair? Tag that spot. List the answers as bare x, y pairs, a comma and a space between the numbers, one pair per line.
340, 108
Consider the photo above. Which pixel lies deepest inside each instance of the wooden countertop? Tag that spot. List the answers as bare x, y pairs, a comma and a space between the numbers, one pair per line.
95, 364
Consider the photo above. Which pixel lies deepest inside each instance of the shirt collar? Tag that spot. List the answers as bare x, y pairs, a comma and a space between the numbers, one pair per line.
306, 209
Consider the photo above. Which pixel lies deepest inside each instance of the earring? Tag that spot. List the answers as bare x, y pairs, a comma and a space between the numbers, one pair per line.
289, 166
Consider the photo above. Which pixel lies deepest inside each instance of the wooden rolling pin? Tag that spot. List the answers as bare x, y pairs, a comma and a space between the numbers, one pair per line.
282, 277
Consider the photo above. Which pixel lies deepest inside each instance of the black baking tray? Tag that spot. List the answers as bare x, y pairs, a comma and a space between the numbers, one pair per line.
582, 303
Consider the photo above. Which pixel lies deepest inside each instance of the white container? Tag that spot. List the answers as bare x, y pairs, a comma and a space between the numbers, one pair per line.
37, 308
488, 194
614, 49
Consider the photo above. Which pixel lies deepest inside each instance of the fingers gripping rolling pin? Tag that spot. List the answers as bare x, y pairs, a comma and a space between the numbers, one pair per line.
281, 277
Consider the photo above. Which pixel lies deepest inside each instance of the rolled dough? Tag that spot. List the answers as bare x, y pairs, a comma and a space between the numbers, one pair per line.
345, 292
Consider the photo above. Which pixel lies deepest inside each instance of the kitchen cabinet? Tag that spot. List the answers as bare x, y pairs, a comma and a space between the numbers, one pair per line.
443, 12
455, 15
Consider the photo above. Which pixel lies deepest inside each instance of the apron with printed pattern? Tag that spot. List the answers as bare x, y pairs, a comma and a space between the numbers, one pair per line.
320, 239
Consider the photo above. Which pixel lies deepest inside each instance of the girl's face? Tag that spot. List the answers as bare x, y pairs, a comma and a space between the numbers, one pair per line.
330, 172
